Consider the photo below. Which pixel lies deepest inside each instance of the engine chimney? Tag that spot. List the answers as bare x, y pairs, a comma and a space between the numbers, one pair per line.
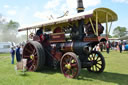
80, 7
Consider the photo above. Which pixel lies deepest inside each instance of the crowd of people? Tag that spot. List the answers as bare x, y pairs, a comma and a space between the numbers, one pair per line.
118, 46
16, 51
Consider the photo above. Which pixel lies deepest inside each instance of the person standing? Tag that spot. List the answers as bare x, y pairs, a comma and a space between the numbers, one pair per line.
120, 47
21, 51
18, 57
123, 47
101, 46
107, 46
12, 55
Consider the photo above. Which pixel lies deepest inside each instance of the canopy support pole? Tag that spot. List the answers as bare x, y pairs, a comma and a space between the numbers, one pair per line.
92, 25
35, 30
106, 25
110, 27
27, 34
96, 23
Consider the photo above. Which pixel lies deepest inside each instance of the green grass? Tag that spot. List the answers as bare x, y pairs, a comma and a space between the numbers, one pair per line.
116, 73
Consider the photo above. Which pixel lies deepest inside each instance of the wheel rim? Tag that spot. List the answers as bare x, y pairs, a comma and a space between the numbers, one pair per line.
70, 66
98, 62
30, 53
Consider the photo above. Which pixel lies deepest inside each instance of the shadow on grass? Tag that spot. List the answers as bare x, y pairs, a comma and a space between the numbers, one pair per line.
120, 79
48, 70
24, 75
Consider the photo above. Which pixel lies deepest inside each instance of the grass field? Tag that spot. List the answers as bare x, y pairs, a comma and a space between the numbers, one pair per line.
116, 73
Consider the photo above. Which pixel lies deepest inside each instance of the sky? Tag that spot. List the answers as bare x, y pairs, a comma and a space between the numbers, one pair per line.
27, 12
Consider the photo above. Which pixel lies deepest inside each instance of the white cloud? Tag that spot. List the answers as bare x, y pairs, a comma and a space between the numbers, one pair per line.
86, 3
120, 1
27, 8
71, 5
52, 4
45, 15
6, 6
11, 12
58, 7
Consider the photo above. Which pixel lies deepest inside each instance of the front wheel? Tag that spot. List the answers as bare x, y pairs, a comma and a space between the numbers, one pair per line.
98, 61
70, 65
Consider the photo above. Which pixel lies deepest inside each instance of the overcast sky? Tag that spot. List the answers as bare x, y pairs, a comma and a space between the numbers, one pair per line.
27, 12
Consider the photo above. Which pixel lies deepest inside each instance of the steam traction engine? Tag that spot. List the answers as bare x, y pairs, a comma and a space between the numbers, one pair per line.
68, 42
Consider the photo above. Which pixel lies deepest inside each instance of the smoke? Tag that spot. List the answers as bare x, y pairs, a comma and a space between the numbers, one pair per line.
8, 31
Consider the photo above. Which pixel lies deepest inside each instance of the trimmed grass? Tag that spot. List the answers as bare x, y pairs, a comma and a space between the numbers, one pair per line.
116, 73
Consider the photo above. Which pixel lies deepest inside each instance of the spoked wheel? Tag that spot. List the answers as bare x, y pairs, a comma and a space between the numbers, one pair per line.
34, 53
70, 65
98, 62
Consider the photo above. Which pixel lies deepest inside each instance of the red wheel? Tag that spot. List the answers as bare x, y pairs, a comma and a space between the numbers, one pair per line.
98, 62
70, 65
34, 53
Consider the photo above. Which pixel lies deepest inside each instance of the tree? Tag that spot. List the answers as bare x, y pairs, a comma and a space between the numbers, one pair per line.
119, 31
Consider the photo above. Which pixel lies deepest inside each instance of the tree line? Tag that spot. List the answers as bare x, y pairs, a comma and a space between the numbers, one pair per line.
120, 32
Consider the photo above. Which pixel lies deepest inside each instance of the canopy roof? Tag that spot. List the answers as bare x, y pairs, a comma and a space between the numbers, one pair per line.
101, 13
123, 38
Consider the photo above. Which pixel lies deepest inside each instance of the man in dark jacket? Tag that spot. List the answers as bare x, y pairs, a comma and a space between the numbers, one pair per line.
12, 54
120, 47
18, 57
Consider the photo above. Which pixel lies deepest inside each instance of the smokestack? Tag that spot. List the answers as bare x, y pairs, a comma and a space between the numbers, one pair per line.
80, 7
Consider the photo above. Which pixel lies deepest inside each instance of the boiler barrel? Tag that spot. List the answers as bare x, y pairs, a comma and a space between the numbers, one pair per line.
77, 47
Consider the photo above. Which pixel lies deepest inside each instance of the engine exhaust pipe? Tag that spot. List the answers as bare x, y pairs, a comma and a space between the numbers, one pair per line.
80, 7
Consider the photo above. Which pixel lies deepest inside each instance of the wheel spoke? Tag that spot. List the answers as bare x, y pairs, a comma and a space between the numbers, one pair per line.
74, 65
97, 58
67, 71
30, 68
65, 60
90, 58
97, 67
34, 51
64, 68
94, 56
64, 63
92, 68
74, 72
30, 61
30, 46
99, 63
70, 60
28, 50
26, 56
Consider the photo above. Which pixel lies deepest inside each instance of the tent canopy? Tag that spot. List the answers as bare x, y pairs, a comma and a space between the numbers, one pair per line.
98, 12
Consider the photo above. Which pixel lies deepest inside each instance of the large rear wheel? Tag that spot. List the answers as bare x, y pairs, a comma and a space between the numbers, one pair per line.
70, 65
98, 62
35, 55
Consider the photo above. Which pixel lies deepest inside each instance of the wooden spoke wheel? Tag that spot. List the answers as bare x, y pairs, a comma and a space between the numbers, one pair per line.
98, 62
70, 65
34, 53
